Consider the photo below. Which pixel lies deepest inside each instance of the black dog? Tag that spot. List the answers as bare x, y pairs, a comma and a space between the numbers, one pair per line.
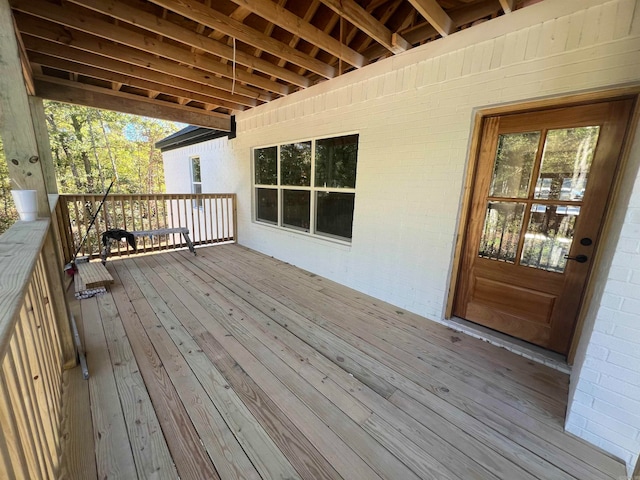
118, 234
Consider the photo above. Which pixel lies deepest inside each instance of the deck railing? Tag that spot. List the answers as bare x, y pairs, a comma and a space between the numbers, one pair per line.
210, 218
32, 352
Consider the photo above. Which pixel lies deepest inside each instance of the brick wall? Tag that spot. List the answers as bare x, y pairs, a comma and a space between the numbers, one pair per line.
414, 115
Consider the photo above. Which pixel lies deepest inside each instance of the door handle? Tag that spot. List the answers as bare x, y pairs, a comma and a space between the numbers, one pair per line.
577, 258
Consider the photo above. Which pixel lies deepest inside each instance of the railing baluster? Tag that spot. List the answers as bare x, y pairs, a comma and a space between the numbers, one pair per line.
210, 218
16, 465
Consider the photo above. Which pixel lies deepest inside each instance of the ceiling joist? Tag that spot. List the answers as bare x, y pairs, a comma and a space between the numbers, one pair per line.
282, 17
357, 15
213, 19
433, 12
221, 56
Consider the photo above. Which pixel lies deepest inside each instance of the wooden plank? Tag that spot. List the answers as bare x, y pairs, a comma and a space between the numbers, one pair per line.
168, 29
296, 447
282, 17
564, 442
78, 459
19, 250
92, 24
259, 447
112, 449
148, 444
427, 465
236, 29
228, 456
16, 127
466, 349
337, 452
187, 451
435, 15
97, 97
94, 274
246, 349
420, 436
362, 19
15, 460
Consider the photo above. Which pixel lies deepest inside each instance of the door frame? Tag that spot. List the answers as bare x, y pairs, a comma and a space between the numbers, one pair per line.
627, 92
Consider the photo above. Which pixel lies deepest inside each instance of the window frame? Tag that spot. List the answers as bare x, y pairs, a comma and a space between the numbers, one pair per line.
312, 189
196, 203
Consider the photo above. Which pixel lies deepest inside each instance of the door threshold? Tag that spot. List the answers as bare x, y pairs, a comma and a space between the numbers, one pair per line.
520, 347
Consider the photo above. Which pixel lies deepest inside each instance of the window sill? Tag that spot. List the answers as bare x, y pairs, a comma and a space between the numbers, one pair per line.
318, 238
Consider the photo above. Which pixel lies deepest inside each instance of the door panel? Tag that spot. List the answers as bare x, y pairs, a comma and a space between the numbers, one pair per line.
542, 181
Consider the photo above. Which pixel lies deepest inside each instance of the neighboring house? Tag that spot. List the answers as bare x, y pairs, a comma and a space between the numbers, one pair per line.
362, 180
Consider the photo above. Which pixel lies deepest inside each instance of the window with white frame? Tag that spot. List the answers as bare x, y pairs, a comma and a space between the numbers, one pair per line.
308, 186
196, 181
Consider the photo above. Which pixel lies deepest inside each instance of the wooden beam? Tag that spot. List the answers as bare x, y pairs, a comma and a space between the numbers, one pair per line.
24, 60
282, 17
120, 79
212, 18
171, 71
358, 16
96, 97
137, 17
435, 15
26, 145
94, 26
459, 16
16, 126
508, 5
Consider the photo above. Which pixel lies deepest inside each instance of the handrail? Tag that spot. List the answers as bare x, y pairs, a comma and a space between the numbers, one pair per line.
31, 356
210, 218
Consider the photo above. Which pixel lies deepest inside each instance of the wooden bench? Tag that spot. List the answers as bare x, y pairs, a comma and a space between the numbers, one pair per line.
151, 233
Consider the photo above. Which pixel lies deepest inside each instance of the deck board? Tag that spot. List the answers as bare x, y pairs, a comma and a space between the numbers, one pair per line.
257, 369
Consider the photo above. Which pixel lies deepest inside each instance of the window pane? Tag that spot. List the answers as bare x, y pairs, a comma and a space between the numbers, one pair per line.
267, 205
336, 160
514, 161
502, 225
295, 164
335, 213
566, 161
266, 165
296, 206
549, 236
197, 188
195, 170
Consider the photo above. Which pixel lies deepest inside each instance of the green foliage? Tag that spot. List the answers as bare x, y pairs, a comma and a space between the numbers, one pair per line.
8, 214
90, 147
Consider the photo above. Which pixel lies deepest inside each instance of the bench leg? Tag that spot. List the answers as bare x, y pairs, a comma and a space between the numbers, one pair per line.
189, 244
105, 253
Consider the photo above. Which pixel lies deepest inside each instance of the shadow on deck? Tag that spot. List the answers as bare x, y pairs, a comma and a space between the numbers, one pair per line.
234, 365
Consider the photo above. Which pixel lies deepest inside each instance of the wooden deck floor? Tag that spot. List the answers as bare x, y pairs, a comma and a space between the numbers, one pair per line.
234, 365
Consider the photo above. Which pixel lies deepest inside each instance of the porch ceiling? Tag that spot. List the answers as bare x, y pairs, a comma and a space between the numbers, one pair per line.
200, 61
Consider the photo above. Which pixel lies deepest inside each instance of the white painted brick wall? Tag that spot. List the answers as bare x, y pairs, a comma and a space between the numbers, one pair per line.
414, 115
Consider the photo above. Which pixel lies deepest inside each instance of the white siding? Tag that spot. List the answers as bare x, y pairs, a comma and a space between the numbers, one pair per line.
414, 115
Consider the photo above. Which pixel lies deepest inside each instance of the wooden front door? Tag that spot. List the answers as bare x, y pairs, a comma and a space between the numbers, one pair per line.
541, 188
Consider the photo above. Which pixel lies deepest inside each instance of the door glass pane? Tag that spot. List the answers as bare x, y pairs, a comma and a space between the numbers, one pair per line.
549, 236
502, 225
566, 160
296, 205
513, 165
334, 213
295, 164
267, 205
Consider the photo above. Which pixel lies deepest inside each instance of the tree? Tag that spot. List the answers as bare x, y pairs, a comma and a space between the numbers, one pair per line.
90, 147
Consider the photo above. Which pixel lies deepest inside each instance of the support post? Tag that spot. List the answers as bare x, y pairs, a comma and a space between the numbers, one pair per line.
26, 146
